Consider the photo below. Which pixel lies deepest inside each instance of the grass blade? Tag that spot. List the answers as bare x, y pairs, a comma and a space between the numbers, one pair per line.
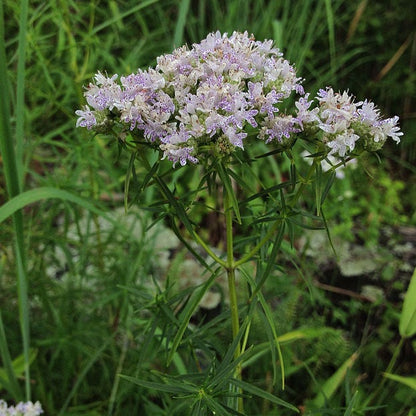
82, 375
180, 24
407, 381
38, 194
12, 175
13, 385
407, 325
20, 90
331, 385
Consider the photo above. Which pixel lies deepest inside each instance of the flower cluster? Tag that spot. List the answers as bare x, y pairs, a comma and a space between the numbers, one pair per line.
219, 92
345, 122
21, 409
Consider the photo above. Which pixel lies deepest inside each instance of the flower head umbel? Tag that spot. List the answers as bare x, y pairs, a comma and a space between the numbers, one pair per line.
215, 96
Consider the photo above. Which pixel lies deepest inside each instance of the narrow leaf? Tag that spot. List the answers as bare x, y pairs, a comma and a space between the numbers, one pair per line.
407, 324
38, 194
163, 387
180, 24
129, 175
328, 186
331, 385
270, 329
10, 374
176, 204
407, 381
188, 312
81, 375
318, 187
224, 175
250, 388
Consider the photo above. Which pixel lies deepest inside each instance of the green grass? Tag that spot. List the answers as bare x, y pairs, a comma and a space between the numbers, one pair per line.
75, 305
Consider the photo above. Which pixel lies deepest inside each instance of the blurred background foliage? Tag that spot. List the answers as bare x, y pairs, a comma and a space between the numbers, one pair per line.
84, 322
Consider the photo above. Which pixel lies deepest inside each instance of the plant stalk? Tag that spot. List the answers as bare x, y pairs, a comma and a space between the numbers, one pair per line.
231, 267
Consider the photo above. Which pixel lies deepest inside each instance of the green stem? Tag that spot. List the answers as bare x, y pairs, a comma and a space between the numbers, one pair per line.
231, 267
207, 249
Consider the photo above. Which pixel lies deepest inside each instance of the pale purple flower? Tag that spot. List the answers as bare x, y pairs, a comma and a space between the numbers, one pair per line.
336, 107
178, 154
235, 138
380, 129
368, 113
104, 93
304, 114
391, 129
343, 143
86, 118
265, 103
278, 128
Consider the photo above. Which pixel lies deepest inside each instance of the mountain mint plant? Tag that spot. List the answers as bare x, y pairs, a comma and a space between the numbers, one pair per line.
210, 107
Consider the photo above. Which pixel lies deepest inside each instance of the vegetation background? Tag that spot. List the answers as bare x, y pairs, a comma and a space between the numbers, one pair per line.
82, 322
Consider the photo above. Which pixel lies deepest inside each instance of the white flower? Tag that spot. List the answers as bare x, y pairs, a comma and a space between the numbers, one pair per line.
343, 143
86, 118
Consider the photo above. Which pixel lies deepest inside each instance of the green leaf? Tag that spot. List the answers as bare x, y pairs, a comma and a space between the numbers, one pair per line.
188, 312
267, 191
332, 384
176, 204
129, 175
264, 348
12, 369
407, 324
229, 365
180, 23
250, 388
82, 374
307, 333
318, 187
328, 186
217, 408
407, 381
8, 376
350, 409
224, 175
271, 261
11, 153
176, 388
270, 327
38, 194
